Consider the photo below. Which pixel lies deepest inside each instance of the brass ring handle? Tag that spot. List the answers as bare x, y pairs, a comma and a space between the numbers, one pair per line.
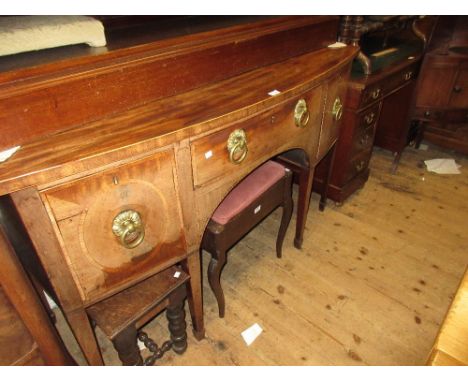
337, 109
301, 114
364, 140
360, 166
128, 227
369, 118
237, 146
408, 75
375, 94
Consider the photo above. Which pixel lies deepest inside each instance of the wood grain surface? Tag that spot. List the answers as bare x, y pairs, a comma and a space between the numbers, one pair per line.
371, 285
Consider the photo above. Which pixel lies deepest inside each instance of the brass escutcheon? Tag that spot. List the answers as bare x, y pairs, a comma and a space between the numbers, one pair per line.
237, 146
337, 109
301, 114
128, 227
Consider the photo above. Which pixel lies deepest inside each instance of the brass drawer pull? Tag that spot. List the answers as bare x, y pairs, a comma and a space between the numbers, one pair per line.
360, 166
457, 89
128, 227
408, 76
365, 140
337, 110
301, 114
369, 118
237, 146
376, 93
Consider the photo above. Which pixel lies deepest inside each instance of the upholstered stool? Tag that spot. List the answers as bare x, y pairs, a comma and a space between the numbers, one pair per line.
121, 315
255, 197
297, 161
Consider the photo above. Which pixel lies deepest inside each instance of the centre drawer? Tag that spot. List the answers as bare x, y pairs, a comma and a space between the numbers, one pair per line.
119, 226
292, 123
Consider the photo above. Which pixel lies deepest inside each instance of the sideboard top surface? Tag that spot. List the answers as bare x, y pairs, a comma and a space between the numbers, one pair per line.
146, 128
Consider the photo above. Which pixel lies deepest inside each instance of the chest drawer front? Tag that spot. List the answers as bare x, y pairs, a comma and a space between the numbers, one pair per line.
428, 114
357, 165
366, 122
459, 97
102, 258
265, 134
385, 86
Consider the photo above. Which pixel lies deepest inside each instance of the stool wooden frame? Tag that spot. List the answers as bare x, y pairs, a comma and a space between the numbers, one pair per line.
121, 315
219, 238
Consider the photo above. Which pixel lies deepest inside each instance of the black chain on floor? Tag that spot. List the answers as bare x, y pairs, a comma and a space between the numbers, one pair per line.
153, 347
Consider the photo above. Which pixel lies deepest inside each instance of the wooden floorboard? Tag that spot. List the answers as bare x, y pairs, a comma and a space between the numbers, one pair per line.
370, 287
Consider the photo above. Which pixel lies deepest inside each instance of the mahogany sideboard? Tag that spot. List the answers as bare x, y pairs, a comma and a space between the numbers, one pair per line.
156, 135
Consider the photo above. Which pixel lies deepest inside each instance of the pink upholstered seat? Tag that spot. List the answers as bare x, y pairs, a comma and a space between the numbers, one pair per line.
248, 190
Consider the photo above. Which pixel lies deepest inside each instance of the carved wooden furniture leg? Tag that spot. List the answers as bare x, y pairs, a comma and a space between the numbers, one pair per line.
192, 266
396, 161
298, 163
125, 343
175, 314
305, 188
286, 216
330, 158
217, 262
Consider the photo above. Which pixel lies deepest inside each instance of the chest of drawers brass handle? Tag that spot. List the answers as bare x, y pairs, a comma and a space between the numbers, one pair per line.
360, 165
365, 140
376, 93
337, 110
301, 114
369, 118
237, 146
128, 227
408, 76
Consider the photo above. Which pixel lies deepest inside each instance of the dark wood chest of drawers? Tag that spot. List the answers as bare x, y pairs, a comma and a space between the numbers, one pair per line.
376, 112
442, 100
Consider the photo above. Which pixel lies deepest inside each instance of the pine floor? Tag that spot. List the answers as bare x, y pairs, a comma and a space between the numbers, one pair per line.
370, 287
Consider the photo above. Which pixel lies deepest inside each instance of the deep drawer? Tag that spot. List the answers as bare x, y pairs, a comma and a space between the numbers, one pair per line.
106, 248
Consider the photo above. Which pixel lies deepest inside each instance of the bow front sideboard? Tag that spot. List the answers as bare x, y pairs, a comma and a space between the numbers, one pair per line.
126, 153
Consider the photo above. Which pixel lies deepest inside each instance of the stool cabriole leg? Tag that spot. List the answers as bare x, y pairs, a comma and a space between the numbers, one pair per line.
214, 275
287, 213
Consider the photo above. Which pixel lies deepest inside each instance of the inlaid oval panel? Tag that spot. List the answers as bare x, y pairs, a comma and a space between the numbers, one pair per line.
119, 226
96, 230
